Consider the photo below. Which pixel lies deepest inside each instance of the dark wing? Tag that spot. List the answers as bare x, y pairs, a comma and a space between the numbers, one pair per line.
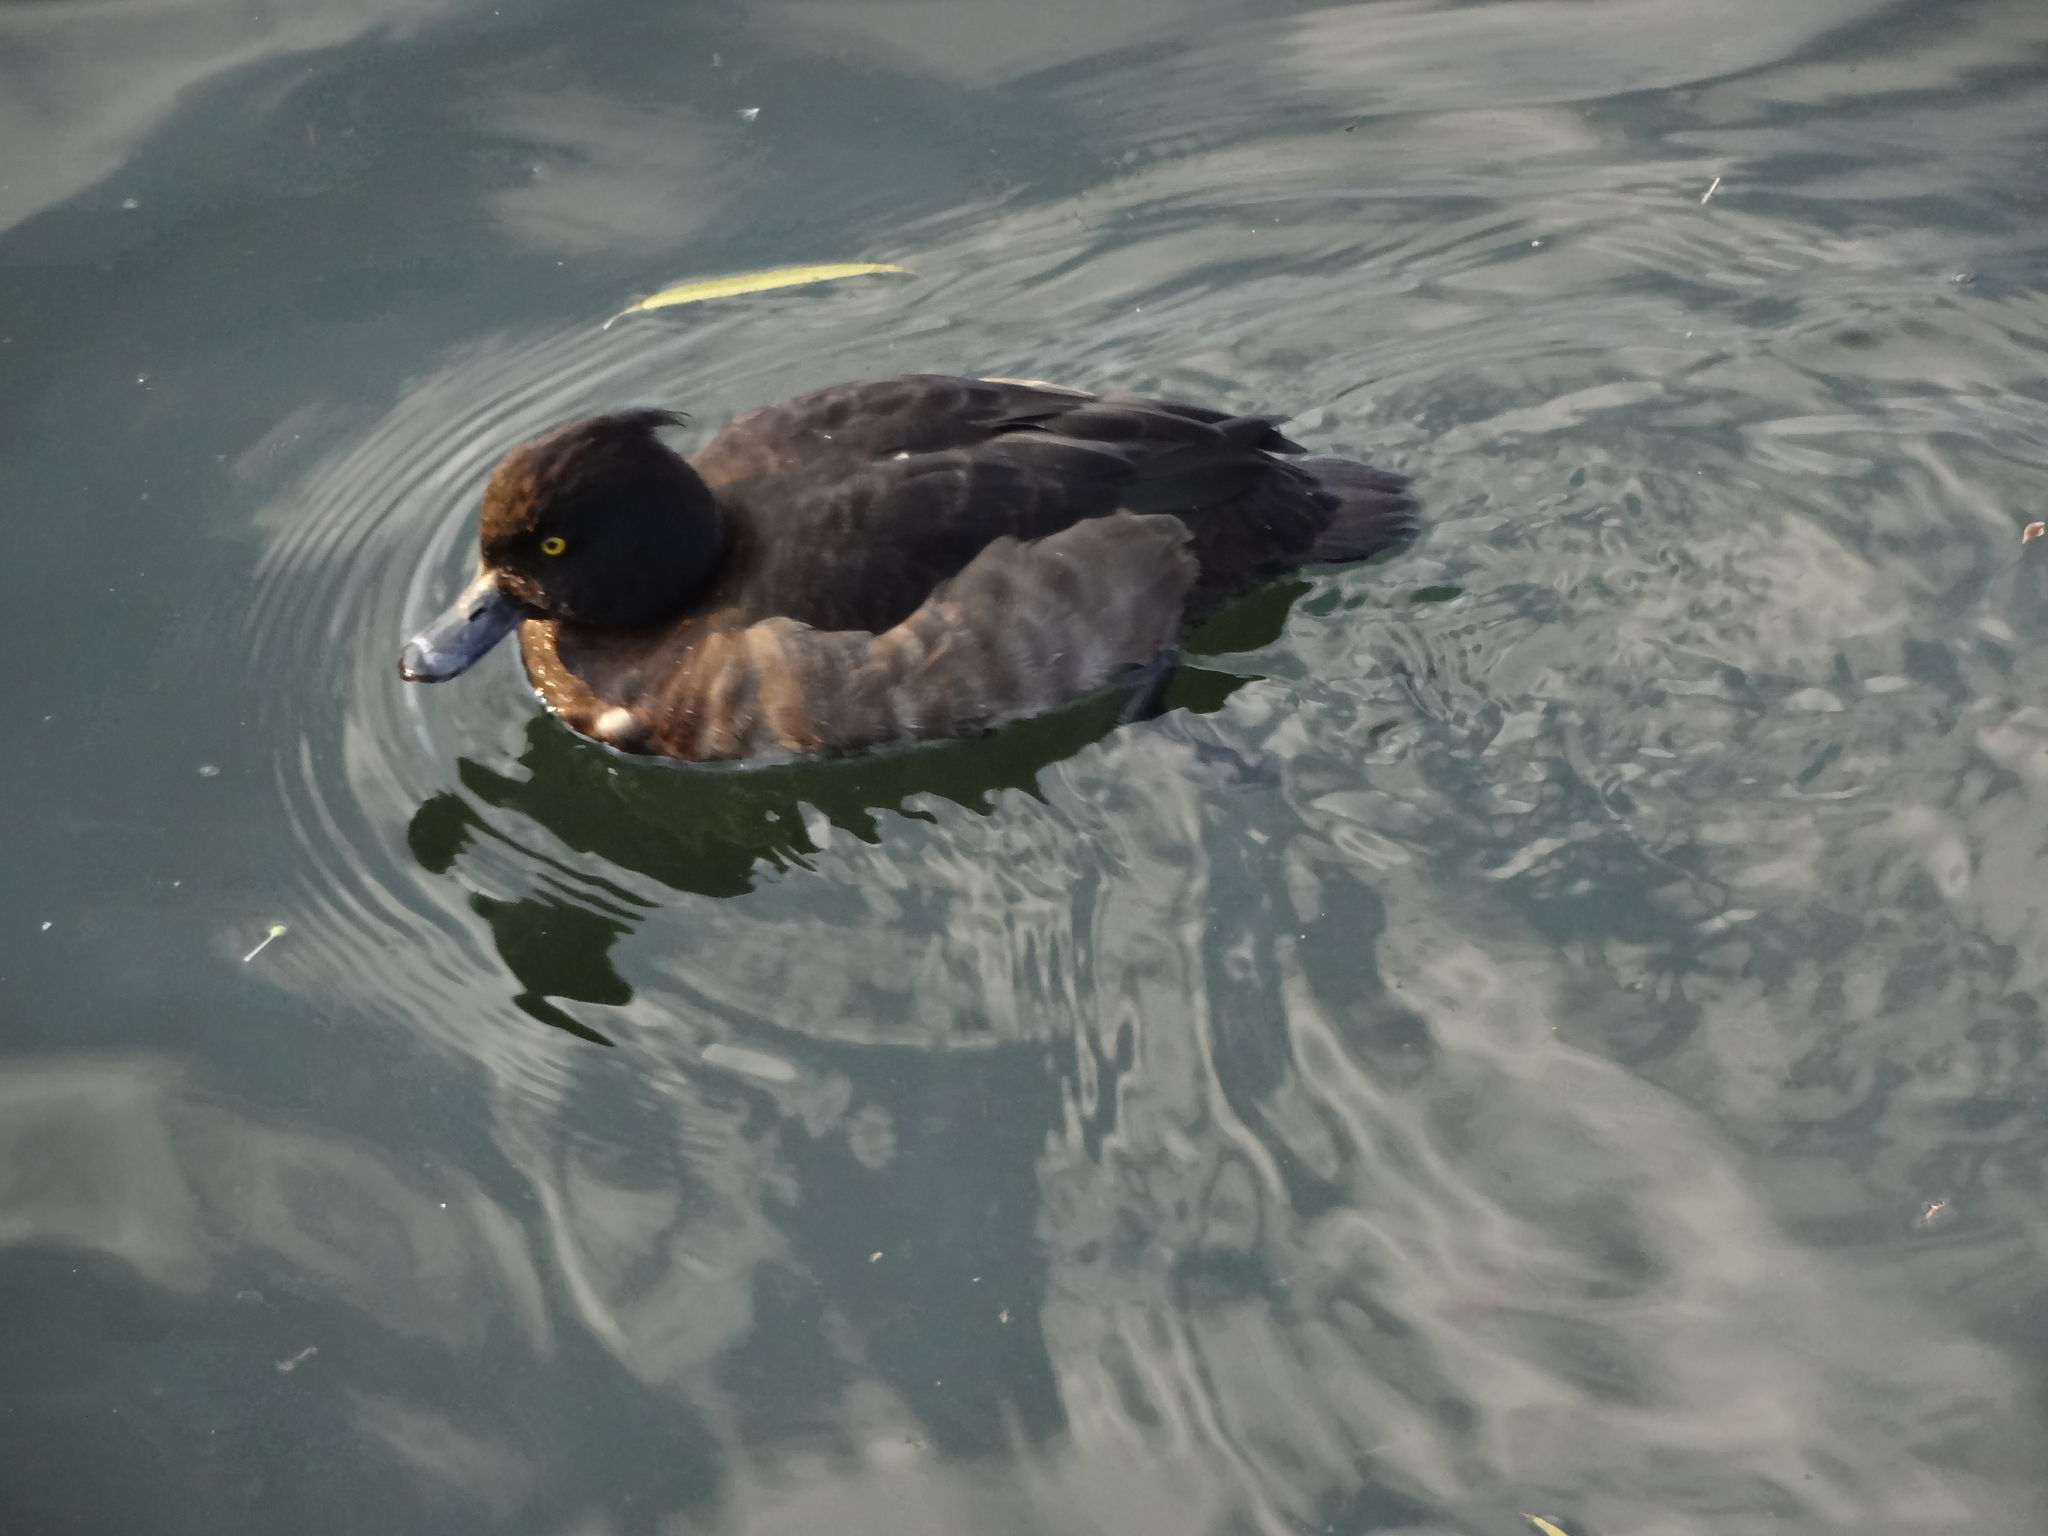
1022, 628
845, 536
876, 419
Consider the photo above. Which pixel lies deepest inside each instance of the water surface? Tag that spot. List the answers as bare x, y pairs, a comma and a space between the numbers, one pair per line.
1551, 1026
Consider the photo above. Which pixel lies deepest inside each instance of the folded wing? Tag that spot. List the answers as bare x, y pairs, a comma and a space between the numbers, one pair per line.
1024, 627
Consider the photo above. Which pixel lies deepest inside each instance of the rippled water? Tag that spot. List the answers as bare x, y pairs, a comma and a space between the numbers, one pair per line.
1552, 1026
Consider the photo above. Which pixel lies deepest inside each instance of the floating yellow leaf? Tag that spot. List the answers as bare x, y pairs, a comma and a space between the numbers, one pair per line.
752, 282
1542, 1524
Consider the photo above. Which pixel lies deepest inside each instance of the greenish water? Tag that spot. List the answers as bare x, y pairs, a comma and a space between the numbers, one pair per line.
1556, 1028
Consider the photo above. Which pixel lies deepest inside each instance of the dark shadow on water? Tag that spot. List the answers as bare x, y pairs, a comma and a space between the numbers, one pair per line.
708, 831
557, 948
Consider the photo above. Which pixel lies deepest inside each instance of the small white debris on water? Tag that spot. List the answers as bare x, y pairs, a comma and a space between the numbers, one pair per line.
1814, 701
1710, 191
1727, 919
277, 931
740, 1058
46, 927
209, 770
748, 114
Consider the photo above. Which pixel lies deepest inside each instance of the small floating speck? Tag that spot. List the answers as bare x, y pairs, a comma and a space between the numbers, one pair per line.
275, 932
46, 927
1710, 191
874, 1256
738, 1058
1542, 1524
2032, 532
129, 202
287, 1366
209, 770
748, 114
1814, 701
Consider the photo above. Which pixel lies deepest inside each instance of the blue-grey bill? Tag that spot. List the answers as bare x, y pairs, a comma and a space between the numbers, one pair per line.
456, 641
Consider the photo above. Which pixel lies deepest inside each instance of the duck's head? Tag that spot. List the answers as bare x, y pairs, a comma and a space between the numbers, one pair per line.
598, 523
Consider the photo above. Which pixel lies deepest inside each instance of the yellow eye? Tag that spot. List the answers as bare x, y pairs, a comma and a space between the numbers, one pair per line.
553, 544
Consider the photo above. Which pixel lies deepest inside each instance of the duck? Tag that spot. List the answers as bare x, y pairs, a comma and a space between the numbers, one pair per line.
885, 561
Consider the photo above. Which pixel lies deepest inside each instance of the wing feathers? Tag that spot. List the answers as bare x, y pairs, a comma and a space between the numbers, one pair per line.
1023, 628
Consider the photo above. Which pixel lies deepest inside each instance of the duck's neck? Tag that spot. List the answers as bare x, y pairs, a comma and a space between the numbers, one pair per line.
672, 557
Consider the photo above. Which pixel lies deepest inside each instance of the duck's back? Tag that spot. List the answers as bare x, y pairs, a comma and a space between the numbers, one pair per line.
851, 504
929, 555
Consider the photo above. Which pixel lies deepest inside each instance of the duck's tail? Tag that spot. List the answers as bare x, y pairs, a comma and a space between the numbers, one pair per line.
1373, 510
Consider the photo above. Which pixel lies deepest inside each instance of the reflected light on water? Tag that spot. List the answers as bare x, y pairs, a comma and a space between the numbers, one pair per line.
1549, 1024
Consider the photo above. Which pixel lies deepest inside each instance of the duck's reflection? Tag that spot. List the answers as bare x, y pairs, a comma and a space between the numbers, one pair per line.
714, 831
